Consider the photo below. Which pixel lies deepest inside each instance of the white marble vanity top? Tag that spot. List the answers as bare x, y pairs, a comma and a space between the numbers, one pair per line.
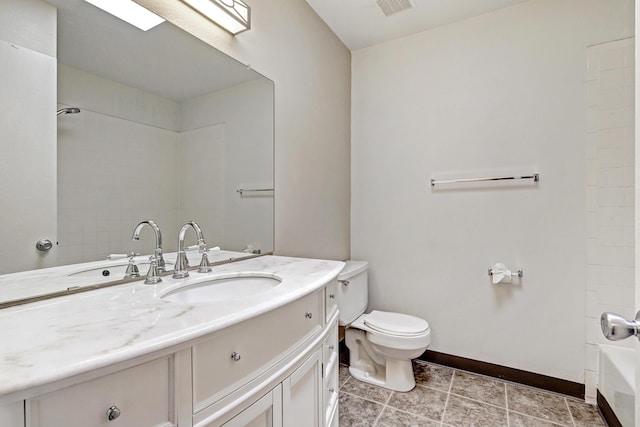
26, 284
54, 339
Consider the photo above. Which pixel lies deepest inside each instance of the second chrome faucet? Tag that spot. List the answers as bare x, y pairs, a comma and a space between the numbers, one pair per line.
181, 268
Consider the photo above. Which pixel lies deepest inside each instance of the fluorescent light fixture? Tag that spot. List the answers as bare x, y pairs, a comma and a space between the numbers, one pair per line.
130, 12
231, 15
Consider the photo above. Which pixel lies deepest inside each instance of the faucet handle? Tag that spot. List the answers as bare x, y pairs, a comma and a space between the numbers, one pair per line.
153, 275
204, 266
181, 269
160, 259
132, 270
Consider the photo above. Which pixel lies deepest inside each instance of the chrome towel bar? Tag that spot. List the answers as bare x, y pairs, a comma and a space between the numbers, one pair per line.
250, 190
535, 177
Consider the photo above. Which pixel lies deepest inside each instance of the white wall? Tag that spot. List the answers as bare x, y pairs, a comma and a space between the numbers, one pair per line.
610, 193
28, 133
311, 70
501, 92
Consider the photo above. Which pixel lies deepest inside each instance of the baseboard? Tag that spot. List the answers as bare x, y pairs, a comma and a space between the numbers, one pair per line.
544, 382
607, 413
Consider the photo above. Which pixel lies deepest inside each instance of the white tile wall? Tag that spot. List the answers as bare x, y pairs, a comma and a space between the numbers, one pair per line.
610, 284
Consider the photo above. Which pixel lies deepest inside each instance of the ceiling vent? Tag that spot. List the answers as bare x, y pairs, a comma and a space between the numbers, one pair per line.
390, 7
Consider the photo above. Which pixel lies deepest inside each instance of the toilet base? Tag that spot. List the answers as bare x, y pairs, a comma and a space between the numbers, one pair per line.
397, 375
370, 366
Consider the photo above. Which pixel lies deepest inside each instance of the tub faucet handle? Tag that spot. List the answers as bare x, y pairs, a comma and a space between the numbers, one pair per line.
615, 327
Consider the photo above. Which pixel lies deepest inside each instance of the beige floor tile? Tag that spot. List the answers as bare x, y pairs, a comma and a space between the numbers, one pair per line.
539, 404
357, 412
366, 391
585, 415
393, 418
462, 412
478, 387
434, 376
421, 401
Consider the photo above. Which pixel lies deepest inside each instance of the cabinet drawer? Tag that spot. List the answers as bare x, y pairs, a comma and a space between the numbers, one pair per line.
331, 299
222, 362
141, 395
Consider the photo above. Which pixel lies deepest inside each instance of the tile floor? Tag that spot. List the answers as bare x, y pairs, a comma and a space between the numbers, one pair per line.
449, 397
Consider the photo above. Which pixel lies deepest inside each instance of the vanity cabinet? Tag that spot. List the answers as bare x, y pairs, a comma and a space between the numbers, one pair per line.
301, 394
134, 397
12, 414
277, 369
266, 412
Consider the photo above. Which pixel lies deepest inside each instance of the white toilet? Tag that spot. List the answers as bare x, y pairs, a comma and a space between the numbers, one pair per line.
381, 344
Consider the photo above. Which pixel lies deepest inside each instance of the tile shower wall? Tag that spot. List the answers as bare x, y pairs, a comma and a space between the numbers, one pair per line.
610, 194
115, 167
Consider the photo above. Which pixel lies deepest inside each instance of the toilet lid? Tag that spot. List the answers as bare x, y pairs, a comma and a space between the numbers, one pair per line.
395, 323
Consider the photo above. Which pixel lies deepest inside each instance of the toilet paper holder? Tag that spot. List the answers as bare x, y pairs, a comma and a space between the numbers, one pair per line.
518, 274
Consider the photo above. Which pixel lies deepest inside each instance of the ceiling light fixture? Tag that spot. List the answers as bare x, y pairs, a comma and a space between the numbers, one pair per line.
130, 12
231, 15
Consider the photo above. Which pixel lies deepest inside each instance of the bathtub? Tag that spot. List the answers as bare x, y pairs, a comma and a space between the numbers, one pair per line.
616, 381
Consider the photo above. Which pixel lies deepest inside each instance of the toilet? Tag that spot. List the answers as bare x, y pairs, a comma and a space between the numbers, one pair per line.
381, 344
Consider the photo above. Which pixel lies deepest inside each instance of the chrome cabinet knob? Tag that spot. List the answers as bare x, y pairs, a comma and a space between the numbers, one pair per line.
615, 327
235, 356
331, 347
113, 413
308, 315
332, 296
344, 282
43, 245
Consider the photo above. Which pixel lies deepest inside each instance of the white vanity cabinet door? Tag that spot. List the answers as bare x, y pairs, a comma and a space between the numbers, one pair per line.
143, 395
12, 414
266, 412
231, 357
302, 395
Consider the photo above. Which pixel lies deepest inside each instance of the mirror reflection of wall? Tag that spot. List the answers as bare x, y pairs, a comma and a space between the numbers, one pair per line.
141, 156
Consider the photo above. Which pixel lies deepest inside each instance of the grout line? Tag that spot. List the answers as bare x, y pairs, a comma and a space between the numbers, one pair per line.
566, 404
478, 401
506, 404
541, 419
384, 406
446, 403
363, 398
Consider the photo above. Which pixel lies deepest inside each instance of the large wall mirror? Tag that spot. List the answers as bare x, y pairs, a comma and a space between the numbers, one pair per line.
168, 129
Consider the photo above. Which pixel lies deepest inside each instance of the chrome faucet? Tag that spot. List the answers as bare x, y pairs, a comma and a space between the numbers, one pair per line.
182, 263
158, 251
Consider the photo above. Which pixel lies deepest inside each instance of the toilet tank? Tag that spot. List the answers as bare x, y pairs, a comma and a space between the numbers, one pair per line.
352, 297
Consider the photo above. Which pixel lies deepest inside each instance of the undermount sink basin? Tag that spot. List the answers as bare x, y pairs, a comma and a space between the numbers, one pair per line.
223, 288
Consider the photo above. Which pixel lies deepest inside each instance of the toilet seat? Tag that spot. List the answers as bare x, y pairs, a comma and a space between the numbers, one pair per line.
394, 330
397, 324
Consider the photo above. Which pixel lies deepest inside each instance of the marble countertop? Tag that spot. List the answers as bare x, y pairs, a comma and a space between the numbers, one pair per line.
26, 284
54, 339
